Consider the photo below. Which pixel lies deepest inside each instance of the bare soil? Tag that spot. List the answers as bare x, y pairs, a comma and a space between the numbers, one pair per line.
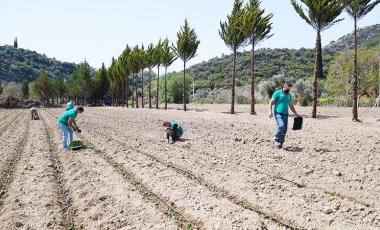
224, 173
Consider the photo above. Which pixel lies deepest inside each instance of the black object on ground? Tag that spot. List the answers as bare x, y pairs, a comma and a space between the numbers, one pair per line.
297, 125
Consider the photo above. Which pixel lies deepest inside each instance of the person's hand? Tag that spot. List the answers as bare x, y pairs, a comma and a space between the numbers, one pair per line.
270, 114
78, 130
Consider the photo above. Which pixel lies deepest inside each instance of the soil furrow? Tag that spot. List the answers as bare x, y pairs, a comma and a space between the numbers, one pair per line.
320, 200
101, 198
192, 199
258, 151
33, 201
11, 146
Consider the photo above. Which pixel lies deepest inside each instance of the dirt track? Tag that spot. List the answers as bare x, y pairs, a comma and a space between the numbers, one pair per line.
224, 174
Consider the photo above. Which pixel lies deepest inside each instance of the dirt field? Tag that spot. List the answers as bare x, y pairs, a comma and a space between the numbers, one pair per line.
223, 174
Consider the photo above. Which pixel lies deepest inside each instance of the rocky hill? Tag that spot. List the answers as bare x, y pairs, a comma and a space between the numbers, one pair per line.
17, 64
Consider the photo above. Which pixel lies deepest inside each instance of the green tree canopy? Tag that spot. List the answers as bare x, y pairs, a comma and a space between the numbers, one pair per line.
80, 84
101, 83
339, 76
25, 89
168, 57
42, 87
186, 49
232, 33
174, 87
321, 15
357, 9
257, 28
60, 87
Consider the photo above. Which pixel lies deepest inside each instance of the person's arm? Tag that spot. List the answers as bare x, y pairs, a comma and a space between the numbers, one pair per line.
75, 124
291, 106
270, 107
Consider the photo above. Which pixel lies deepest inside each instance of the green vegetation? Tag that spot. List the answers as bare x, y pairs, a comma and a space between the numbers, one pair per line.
21, 64
357, 9
186, 49
321, 15
233, 36
130, 75
25, 90
78, 143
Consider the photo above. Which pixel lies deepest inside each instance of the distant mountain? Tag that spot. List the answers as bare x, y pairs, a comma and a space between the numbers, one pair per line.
216, 73
368, 37
17, 64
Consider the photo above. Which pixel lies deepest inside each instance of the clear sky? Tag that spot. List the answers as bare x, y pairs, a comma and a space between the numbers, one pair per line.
96, 31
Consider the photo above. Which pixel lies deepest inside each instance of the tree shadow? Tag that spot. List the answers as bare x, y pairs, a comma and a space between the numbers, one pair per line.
324, 117
235, 113
183, 139
293, 149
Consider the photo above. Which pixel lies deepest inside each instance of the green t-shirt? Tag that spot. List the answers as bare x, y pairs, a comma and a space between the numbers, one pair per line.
282, 100
64, 118
180, 129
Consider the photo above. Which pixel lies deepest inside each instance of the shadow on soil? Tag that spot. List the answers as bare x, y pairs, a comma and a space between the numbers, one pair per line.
323, 117
293, 149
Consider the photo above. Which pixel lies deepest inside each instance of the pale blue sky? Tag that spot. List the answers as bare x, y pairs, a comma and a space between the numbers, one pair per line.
94, 30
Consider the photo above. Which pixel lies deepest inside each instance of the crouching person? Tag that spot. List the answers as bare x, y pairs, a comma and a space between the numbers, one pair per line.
173, 131
67, 124
34, 113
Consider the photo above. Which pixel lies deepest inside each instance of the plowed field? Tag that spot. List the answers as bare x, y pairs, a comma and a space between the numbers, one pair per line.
223, 174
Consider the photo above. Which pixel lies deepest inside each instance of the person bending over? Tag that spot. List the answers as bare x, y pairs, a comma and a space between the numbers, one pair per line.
173, 131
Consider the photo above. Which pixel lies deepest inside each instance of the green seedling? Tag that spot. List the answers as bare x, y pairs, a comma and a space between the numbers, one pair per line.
173, 215
77, 143
303, 183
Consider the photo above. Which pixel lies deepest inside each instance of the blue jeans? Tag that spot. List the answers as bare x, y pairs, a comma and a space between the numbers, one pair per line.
282, 126
66, 130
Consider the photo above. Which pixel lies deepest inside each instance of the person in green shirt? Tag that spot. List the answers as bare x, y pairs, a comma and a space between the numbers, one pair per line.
282, 100
69, 105
67, 124
173, 131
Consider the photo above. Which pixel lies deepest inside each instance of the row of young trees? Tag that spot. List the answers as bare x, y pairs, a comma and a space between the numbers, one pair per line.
248, 25
125, 69
121, 79
245, 25
321, 16
81, 86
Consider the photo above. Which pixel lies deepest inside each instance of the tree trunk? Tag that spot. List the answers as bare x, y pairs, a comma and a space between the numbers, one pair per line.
158, 84
133, 91
137, 96
184, 86
165, 88
355, 78
122, 92
253, 112
318, 72
117, 95
142, 88
127, 90
232, 111
149, 88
